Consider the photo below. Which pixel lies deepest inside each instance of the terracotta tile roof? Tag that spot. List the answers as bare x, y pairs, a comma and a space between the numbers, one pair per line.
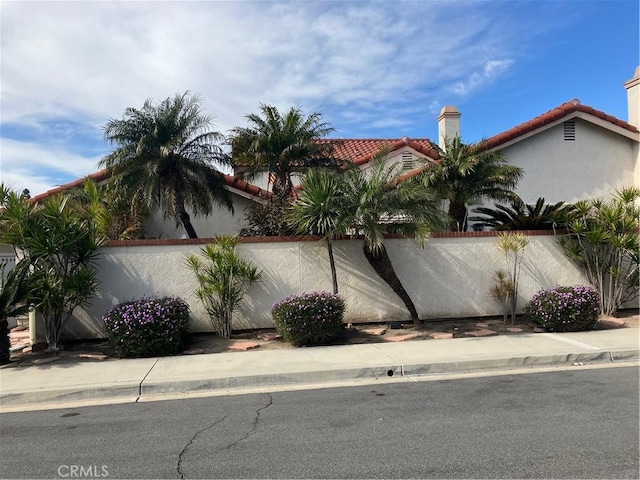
103, 175
362, 150
97, 177
551, 116
250, 188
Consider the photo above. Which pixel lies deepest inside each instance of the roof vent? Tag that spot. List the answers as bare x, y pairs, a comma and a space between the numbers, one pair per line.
570, 131
408, 162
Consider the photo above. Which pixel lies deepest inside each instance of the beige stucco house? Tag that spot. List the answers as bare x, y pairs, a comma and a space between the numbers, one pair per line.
571, 152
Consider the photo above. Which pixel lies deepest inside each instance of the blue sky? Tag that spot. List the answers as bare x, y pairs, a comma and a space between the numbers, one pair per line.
380, 69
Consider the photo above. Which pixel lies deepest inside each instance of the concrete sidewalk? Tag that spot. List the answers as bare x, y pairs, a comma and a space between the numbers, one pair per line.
130, 379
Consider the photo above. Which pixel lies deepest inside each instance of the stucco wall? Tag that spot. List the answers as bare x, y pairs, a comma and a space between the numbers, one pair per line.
220, 221
594, 165
449, 277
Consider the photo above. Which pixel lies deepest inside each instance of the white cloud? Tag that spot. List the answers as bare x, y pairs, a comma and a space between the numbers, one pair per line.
491, 70
368, 63
39, 168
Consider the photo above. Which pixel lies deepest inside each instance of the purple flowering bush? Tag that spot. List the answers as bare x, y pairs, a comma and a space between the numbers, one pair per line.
564, 309
148, 327
309, 319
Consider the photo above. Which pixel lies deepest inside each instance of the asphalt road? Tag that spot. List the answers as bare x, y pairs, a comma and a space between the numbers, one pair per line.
580, 423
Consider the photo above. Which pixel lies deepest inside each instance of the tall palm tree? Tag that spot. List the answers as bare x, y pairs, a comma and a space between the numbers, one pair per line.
318, 210
469, 173
165, 155
369, 204
281, 144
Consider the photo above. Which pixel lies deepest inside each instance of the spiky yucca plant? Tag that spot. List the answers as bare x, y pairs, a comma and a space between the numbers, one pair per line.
223, 278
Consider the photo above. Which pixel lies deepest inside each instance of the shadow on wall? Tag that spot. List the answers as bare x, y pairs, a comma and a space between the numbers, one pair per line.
280, 265
368, 297
449, 277
293, 268
87, 321
539, 257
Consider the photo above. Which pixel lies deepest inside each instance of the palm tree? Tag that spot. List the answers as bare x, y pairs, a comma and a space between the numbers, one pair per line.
521, 216
281, 145
165, 155
369, 204
467, 174
318, 209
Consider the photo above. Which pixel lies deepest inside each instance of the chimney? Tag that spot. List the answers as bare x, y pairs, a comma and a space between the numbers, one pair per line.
448, 125
633, 99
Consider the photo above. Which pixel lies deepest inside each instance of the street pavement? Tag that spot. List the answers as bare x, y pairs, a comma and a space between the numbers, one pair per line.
126, 380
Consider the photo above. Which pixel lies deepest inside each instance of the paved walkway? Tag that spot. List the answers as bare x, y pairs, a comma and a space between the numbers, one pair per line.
130, 379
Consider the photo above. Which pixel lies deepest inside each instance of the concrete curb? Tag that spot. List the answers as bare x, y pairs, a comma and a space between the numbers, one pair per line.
277, 379
328, 376
507, 362
71, 394
148, 388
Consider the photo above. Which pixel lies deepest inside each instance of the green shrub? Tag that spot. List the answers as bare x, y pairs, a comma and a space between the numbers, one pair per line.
148, 327
564, 309
309, 319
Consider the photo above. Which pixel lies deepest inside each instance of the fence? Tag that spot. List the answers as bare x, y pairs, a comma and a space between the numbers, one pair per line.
450, 277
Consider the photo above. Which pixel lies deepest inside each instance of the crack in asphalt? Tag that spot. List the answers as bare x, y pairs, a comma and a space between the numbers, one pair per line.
255, 423
190, 442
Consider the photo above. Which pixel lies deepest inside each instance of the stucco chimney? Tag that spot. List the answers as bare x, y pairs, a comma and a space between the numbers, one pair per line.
448, 124
633, 99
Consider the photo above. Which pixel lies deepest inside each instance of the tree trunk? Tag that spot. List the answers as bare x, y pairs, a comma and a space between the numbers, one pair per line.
53, 327
225, 325
458, 214
381, 263
186, 222
282, 185
334, 275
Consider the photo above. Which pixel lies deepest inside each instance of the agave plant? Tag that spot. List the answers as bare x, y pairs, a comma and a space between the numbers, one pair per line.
521, 216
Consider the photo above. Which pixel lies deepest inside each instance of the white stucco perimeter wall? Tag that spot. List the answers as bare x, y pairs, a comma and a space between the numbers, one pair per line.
449, 277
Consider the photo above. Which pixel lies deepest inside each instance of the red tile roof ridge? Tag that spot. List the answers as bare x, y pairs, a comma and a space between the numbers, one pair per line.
250, 188
422, 145
551, 116
97, 177
104, 174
